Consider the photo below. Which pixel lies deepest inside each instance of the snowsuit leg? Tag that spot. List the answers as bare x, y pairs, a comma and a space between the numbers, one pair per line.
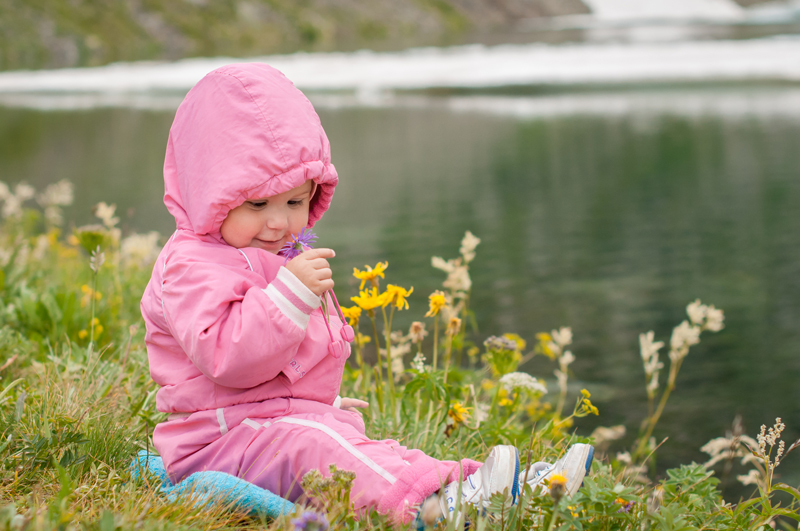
275, 453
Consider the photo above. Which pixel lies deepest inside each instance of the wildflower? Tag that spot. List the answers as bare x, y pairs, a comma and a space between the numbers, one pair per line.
603, 435
546, 345
106, 214
417, 332
585, 406
352, 314
468, 245
696, 312
562, 337
504, 400
626, 505
481, 413
458, 413
97, 260
369, 299
500, 343
311, 521
418, 363
437, 301
361, 339
397, 295
88, 295
684, 335
753, 477
83, 334
557, 485
521, 343
727, 448
714, 319
140, 250
371, 274
298, 244
12, 206
458, 278
53, 197
647, 347
98, 328
624, 458
453, 326
517, 380
566, 359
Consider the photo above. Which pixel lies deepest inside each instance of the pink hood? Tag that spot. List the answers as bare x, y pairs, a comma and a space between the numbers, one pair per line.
244, 131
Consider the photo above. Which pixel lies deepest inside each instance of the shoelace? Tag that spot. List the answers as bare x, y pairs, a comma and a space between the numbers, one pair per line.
336, 348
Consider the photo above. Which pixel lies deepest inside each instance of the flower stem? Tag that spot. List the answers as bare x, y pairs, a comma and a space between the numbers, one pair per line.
435, 341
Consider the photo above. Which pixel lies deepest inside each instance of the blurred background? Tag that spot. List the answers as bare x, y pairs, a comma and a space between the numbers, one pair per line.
618, 159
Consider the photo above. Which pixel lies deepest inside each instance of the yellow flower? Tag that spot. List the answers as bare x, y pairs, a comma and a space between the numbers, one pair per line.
545, 341
397, 295
486, 385
88, 294
370, 274
453, 327
521, 343
369, 299
585, 406
458, 413
352, 315
586, 393
557, 480
437, 301
98, 328
504, 400
83, 334
362, 340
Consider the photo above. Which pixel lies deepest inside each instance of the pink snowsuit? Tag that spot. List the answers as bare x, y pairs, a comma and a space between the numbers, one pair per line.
237, 343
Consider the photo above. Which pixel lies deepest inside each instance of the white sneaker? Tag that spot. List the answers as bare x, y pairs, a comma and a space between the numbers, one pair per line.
500, 472
574, 466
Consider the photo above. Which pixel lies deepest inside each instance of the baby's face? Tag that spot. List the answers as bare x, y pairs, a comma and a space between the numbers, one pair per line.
268, 223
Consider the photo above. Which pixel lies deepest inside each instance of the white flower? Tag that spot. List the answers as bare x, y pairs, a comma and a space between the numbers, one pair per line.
714, 319
751, 478
648, 347
140, 250
624, 458
57, 194
12, 206
417, 332
567, 358
562, 379
418, 363
468, 245
697, 312
603, 434
562, 336
516, 380
652, 385
481, 413
106, 214
684, 335
446, 266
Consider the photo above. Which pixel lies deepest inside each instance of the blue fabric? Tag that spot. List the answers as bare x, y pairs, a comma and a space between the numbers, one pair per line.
211, 487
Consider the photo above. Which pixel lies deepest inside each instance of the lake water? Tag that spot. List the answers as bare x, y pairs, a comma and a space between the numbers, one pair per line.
607, 211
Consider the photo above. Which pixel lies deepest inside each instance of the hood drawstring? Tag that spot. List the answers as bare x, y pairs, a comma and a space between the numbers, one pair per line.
336, 348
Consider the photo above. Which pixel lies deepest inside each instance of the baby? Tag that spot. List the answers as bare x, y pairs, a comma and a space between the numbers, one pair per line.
248, 365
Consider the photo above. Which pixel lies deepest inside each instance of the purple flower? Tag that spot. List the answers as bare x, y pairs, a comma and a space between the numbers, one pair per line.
311, 521
298, 244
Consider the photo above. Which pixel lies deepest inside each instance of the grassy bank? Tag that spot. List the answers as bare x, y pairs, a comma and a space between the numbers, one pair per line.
77, 402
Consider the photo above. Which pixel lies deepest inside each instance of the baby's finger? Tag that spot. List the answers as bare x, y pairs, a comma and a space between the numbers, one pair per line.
319, 263
355, 402
321, 252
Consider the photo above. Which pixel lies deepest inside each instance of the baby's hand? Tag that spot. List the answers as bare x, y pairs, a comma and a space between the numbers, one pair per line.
350, 404
313, 270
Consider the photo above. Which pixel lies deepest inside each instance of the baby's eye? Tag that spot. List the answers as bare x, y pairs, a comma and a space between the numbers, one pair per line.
257, 204
295, 202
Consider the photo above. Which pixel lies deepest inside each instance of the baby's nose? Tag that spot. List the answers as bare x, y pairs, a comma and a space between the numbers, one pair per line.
277, 222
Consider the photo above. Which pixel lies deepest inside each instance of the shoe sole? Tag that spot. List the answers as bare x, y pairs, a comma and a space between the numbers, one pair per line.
503, 462
577, 463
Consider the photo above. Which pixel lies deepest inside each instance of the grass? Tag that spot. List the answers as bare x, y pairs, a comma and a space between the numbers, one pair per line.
77, 403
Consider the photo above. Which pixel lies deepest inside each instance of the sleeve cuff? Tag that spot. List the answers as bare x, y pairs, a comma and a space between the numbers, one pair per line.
292, 297
338, 402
